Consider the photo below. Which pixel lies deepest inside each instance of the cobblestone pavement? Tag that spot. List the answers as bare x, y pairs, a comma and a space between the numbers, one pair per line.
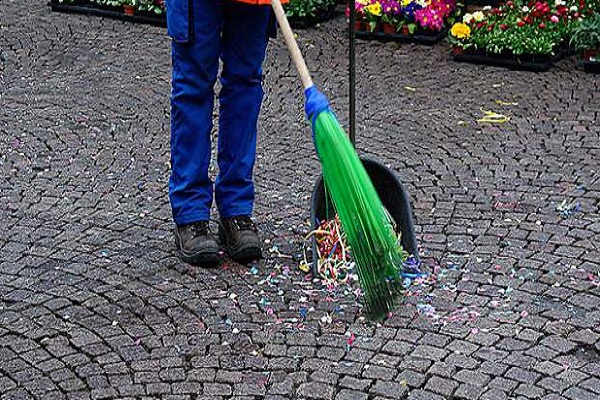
95, 304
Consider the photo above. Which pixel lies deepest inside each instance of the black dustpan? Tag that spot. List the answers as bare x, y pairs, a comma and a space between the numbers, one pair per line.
388, 185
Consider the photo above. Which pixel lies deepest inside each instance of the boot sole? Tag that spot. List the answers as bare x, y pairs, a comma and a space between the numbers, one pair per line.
205, 258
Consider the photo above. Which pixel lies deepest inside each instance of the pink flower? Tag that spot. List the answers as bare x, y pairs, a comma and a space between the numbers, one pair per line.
554, 18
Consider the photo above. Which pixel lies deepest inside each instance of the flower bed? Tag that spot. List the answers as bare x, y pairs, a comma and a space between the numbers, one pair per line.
144, 11
586, 40
306, 13
519, 34
424, 21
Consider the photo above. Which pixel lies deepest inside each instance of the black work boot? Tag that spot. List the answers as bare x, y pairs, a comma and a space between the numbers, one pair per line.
196, 244
239, 237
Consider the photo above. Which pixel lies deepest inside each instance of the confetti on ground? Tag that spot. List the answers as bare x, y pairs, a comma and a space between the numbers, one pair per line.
493, 117
350, 341
567, 209
506, 103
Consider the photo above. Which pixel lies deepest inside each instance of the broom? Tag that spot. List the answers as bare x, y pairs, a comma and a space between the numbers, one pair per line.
375, 247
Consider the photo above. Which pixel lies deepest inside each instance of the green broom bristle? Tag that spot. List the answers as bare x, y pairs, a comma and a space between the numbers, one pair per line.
369, 231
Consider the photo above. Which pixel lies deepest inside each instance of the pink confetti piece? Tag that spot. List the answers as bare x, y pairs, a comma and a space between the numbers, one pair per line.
524, 314
351, 340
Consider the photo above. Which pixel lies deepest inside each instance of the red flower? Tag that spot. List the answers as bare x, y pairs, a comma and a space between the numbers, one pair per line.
503, 27
520, 23
542, 25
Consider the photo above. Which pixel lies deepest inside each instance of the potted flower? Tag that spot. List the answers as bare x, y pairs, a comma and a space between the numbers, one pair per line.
586, 38
410, 7
129, 7
373, 15
459, 35
433, 17
359, 7
390, 17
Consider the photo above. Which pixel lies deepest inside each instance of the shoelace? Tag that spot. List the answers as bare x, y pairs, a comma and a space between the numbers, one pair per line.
243, 223
199, 228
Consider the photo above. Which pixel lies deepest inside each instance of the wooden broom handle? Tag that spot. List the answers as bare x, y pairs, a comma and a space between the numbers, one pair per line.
291, 44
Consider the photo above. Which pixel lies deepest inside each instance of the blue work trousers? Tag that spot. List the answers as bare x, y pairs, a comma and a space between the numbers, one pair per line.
204, 31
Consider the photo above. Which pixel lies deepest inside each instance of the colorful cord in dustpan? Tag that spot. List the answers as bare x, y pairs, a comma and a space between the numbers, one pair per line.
334, 262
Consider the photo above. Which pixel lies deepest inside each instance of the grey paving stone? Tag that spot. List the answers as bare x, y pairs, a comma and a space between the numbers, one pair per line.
316, 390
217, 389
503, 384
472, 377
442, 386
392, 390
347, 394
466, 391
572, 377
553, 385
574, 393
529, 391
494, 394
522, 375
423, 395
592, 384
412, 378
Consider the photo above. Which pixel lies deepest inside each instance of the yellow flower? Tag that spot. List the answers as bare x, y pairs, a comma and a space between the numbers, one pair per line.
406, 2
374, 9
460, 30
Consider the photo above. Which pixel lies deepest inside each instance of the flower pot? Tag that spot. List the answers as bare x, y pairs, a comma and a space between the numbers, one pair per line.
590, 55
457, 50
388, 28
405, 30
128, 10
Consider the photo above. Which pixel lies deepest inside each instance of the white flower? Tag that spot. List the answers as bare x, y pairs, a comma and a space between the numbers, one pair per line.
487, 8
478, 16
525, 9
559, 3
468, 18
573, 9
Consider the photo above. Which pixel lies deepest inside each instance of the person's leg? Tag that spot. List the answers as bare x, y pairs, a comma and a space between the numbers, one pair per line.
243, 51
195, 67
245, 36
